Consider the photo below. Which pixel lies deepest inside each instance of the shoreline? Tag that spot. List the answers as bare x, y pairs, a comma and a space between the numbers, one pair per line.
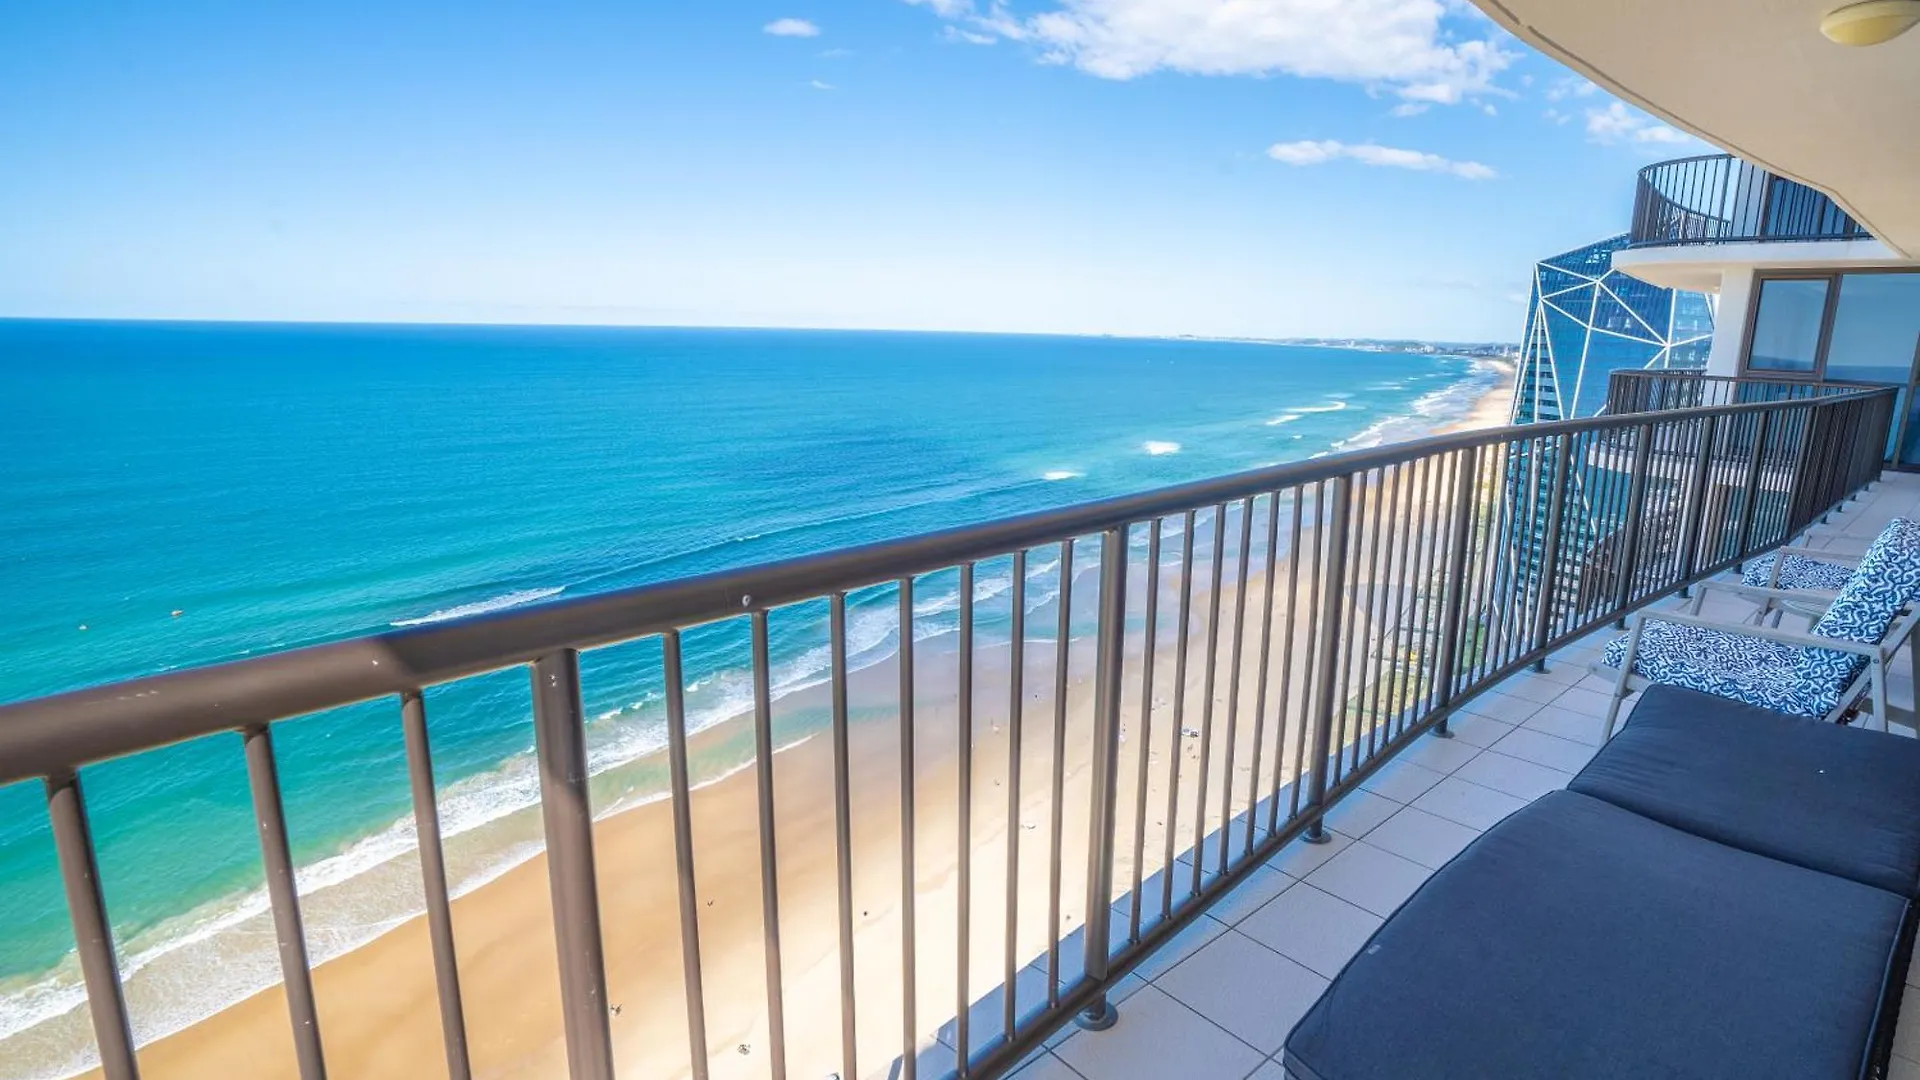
379, 1015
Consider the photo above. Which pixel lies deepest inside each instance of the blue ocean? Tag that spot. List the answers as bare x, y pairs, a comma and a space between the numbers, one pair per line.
177, 494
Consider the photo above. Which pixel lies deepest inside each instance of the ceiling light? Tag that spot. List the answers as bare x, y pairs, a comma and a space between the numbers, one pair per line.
1872, 22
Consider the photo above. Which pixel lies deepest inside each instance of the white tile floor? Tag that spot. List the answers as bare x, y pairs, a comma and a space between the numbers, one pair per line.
1218, 1001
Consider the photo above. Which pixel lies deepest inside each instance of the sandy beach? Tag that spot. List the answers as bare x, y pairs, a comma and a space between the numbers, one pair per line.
379, 1014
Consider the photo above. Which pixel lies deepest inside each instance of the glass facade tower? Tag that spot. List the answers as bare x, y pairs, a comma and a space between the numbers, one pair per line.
1585, 320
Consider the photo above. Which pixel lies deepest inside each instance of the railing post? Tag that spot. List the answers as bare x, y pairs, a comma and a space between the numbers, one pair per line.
1630, 532
1753, 488
92, 932
1453, 603
433, 877
1550, 556
1693, 513
296, 969
1110, 659
1327, 659
560, 741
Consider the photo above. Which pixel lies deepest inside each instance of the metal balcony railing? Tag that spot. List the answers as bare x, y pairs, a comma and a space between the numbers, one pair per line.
1717, 198
1319, 617
1634, 390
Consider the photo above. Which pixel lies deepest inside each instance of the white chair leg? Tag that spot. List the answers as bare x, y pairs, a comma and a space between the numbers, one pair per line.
1879, 667
1626, 674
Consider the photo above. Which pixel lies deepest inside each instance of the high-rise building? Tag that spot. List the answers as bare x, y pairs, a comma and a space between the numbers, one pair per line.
1585, 320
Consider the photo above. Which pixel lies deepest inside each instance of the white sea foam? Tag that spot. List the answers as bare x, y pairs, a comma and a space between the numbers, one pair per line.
1335, 405
1157, 448
482, 607
1061, 474
1285, 418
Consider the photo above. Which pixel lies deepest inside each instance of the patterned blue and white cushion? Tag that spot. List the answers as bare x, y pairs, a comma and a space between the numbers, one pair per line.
1773, 675
1796, 572
1888, 579
1750, 669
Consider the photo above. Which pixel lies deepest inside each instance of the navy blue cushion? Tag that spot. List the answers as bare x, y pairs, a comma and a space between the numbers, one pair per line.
1580, 941
1830, 798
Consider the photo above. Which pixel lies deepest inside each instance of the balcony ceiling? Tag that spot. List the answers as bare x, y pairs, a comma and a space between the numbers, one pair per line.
1756, 77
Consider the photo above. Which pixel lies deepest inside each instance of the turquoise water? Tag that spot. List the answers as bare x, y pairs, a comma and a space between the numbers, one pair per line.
279, 485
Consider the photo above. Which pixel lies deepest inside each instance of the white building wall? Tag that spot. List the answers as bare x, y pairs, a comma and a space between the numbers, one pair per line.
1730, 320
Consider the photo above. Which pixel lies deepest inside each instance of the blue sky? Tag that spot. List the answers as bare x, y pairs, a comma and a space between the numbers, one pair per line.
1265, 167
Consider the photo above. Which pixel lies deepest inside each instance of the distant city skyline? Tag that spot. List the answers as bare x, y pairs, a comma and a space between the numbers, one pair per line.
1385, 169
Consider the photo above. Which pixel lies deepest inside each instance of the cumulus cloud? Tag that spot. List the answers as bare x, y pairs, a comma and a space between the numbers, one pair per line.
1404, 47
1322, 151
791, 28
1618, 124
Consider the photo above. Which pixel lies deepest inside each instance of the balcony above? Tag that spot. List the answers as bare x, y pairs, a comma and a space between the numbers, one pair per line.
1695, 218
1719, 199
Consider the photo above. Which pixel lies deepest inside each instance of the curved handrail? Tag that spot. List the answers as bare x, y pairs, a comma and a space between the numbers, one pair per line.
1717, 198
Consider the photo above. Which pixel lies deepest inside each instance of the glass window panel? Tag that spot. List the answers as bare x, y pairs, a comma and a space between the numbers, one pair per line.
1786, 329
1876, 323
1876, 328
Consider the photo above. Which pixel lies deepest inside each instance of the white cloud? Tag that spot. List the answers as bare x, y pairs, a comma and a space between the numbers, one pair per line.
791, 28
818, 85
1409, 108
969, 37
1571, 86
1398, 46
1312, 152
1618, 124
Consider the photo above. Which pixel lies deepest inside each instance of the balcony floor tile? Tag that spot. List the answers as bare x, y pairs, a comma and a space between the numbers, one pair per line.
1158, 1037
1369, 877
1422, 838
1252, 991
1316, 928
1467, 803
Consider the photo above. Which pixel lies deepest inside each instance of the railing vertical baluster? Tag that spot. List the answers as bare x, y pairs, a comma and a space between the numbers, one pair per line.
1294, 555
1206, 697
909, 887
1326, 655
1109, 664
433, 874
964, 825
1693, 514
843, 831
1233, 684
1176, 730
1062, 656
769, 853
1343, 643
560, 740
1260, 676
92, 931
1016, 746
1322, 539
1630, 532
1459, 546
269, 815
681, 794
1550, 556
1149, 640
1751, 503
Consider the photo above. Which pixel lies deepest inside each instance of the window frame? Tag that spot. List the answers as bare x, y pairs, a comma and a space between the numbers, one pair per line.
1827, 314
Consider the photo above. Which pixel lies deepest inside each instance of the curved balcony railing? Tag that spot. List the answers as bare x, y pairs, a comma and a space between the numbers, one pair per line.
1717, 198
